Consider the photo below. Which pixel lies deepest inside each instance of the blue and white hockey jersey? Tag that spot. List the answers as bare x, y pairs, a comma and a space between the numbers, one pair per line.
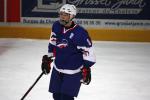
72, 47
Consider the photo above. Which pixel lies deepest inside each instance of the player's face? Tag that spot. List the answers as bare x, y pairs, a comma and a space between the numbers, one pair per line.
64, 16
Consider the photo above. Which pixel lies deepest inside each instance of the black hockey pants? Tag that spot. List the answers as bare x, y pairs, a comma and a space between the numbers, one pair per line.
59, 96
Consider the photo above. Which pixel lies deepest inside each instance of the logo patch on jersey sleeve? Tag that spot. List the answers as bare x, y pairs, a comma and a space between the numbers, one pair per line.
89, 42
53, 39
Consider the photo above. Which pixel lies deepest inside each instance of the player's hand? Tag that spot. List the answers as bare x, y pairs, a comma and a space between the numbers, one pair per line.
46, 64
86, 75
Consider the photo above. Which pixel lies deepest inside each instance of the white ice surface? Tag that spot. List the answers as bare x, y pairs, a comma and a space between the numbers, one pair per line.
122, 71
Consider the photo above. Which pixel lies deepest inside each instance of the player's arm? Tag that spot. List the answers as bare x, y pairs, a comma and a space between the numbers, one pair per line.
53, 39
52, 45
47, 59
88, 55
84, 44
88, 62
86, 47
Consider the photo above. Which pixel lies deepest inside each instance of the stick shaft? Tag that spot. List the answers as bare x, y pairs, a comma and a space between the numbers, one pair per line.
32, 86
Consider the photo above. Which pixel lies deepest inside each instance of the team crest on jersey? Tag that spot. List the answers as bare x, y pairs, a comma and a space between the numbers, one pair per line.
71, 35
63, 43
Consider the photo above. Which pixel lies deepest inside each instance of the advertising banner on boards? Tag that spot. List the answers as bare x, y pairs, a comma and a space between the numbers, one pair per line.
91, 13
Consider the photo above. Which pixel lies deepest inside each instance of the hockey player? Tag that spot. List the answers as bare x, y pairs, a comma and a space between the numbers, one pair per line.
71, 47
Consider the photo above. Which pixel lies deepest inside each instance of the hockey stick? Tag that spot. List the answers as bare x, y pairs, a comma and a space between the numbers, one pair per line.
32, 86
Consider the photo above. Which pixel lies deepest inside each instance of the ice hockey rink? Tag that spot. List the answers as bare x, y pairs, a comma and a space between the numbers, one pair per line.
122, 71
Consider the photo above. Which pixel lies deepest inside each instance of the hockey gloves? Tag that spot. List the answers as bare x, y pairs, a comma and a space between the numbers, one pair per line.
46, 64
86, 75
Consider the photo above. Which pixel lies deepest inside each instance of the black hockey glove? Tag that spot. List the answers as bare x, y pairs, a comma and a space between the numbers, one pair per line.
46, 64
86, 75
